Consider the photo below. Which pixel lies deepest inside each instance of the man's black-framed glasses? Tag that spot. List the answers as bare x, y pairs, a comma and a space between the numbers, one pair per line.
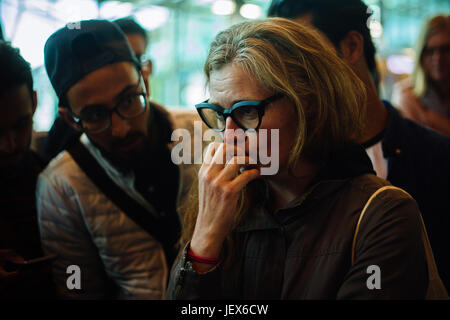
143, 59
96, 119
246, 114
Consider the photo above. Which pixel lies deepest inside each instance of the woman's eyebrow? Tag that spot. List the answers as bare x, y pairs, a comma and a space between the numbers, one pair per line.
232, 104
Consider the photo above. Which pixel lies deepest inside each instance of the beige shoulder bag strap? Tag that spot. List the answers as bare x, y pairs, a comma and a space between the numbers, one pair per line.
436, 289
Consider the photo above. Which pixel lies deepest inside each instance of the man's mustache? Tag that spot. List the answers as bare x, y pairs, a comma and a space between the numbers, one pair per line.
129, 138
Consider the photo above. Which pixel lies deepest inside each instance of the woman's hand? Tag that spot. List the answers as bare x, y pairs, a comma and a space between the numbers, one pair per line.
220, 185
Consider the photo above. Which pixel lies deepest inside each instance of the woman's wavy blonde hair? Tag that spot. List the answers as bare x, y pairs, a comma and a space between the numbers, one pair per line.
284, 56
431, 27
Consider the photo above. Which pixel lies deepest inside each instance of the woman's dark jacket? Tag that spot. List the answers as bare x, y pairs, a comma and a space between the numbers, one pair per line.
303, 251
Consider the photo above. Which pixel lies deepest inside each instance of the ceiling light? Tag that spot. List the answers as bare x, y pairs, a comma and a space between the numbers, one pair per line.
152, 17
251, 11
398, 64
115, 9
223, 7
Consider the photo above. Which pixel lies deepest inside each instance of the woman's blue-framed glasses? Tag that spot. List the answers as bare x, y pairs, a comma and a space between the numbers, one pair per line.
246, 114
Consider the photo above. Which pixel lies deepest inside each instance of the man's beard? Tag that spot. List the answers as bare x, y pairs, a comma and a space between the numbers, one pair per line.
131, 160
12, 166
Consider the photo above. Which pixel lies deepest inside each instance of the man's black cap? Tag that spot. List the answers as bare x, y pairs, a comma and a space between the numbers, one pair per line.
80, 48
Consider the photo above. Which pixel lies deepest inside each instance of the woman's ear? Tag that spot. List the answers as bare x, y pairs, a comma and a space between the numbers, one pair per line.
65, 114
352, 47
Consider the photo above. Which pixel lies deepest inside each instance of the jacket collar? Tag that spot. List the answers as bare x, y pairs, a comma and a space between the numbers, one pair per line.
342, 166
346, 163
124, 181
394, 139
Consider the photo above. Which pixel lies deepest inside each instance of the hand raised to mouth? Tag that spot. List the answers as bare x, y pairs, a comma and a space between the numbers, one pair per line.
220, 185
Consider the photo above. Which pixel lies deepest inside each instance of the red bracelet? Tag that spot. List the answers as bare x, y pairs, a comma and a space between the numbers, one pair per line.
195, 258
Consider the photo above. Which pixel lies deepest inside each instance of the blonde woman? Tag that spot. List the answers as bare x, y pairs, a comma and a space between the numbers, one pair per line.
425, 98
289, 235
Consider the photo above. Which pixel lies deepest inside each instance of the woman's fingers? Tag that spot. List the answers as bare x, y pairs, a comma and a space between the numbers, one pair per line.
216, 157
210, 151
235, 166
219, 190
244, 178
209, 167
230, 177
218, 154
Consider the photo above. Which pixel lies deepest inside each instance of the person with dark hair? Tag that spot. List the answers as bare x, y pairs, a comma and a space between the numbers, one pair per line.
328, 16
19, 169
138, 39
129, 26
408, 155
61, 134
107, 204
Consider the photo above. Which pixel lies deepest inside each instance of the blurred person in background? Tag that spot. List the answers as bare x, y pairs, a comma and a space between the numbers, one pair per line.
138, 39
19, 169
425, 97
408, 155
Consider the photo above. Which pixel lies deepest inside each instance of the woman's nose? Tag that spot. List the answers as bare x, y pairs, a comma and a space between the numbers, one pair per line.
230, 124
233, 133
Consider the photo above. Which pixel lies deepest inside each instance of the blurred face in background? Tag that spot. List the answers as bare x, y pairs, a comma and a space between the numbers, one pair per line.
16, 124
436, 57
139, 46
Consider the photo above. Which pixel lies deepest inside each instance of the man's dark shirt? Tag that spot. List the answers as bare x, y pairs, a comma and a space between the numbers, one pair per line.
58, 138
419, 162
19, 230
19, 227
